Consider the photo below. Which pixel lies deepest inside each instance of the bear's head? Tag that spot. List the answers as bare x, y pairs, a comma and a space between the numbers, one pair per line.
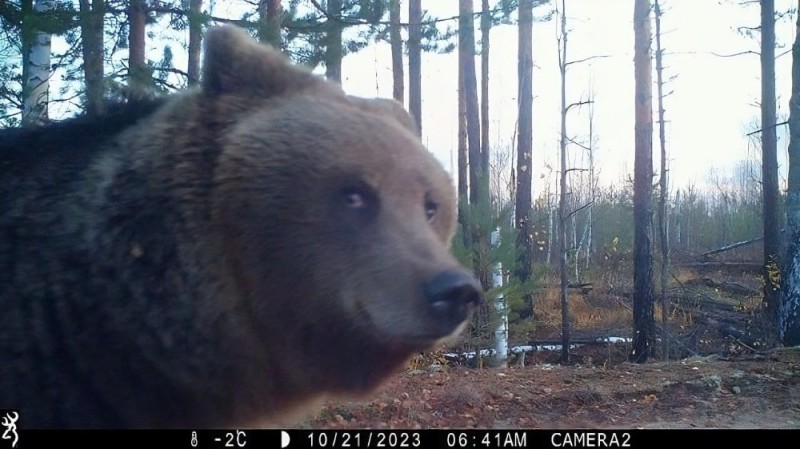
336, 222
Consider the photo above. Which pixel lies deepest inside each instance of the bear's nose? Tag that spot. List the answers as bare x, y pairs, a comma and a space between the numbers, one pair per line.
450, 295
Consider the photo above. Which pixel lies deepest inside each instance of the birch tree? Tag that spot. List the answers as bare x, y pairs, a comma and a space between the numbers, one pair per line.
36, 70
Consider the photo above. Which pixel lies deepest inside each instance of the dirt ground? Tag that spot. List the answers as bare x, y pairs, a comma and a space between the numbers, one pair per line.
746, 391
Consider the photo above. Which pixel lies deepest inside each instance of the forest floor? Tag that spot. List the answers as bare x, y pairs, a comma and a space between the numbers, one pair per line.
745, 391
722, 374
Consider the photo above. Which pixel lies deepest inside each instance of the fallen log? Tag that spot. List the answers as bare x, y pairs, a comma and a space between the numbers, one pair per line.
542, 345
746, 266
727, 287
585, 287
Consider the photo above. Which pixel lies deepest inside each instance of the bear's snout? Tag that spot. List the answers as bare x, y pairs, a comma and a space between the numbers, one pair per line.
450, 295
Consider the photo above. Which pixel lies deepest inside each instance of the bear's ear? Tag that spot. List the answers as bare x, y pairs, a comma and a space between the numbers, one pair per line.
389, 108
234, 62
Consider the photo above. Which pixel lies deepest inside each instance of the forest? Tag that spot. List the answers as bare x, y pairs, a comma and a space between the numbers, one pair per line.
620, 219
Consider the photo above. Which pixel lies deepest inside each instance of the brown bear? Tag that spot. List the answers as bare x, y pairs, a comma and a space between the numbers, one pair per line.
223, 256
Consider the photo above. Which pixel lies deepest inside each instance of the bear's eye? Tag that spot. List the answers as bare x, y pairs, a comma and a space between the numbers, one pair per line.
430, 208
354, 199
359, 197
356, 205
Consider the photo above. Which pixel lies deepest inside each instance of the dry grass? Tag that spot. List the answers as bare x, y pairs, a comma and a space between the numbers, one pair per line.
425, 360
588, 312
683, 275
751, 304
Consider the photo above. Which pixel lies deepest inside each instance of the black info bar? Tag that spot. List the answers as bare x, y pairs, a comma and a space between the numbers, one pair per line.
391, 439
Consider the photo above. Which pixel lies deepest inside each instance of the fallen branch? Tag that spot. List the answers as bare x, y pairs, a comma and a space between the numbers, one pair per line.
732, 246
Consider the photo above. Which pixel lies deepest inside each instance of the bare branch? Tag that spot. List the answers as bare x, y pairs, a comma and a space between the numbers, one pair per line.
578, 104
11, 114
578, 61
167, 84
580, 209
66, 99
571, 140
171, 70
747, 52
786, 122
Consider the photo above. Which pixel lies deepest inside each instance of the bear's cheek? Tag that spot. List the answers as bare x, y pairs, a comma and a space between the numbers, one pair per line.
385, 298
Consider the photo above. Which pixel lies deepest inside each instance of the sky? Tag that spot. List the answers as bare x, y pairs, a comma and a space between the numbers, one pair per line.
713, 101
711, 107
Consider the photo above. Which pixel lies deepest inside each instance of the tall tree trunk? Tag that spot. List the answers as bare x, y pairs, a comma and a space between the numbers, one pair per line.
522, 207
463, 149
139, 76
269, 22
789, 317
550, 230
415, 61
663, 185
592, 186
769, 157
679, 234
36, 85
398, 77
574, 228
566, 324
463, 161
486, 27
195, 39
478, 175
333, 46
92, 13
643, 323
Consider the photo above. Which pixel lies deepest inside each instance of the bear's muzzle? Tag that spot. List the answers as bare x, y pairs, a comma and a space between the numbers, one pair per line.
450, 295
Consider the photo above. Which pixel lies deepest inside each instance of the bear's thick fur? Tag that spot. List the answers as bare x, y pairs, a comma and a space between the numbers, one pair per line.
222, 257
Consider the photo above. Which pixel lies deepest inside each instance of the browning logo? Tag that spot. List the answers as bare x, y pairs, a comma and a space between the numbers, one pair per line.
9, 422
